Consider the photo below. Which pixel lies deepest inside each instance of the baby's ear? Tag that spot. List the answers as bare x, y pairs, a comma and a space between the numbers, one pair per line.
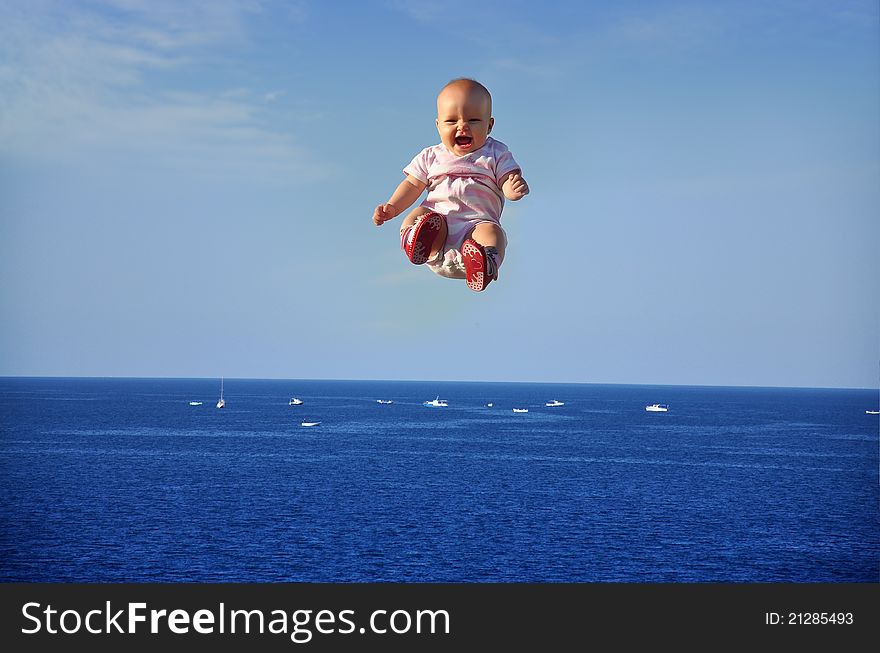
491, 124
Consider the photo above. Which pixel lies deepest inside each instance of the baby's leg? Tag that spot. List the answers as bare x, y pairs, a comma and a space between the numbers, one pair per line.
412, 217
489, 234
482, 253
430, 237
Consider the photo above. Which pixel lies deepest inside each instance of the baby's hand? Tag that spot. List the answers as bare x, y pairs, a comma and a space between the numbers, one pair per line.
516, 187
383, 213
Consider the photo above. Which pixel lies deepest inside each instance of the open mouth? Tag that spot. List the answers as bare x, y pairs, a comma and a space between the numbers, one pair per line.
463, 141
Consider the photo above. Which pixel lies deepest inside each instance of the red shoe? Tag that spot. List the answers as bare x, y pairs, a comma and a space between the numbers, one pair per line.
480, 268
416, 241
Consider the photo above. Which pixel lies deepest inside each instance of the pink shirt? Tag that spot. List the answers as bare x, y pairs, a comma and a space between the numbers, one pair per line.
464, 188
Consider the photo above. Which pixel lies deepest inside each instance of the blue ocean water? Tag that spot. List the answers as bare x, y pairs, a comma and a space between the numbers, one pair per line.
121, 480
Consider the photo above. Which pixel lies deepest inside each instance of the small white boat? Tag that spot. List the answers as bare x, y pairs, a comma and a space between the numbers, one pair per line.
222, 402
554, 403
489, 405
311, 424
295, 402
195, 403
384, 401
657, 408
436, 403
520, 410
872, 412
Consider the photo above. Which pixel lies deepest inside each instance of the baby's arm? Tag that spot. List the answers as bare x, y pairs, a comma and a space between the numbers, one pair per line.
407, 192
514, 186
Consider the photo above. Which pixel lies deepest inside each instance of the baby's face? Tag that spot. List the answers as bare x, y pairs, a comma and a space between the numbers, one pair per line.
464, 118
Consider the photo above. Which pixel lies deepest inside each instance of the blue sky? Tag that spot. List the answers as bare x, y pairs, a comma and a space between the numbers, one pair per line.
186, 190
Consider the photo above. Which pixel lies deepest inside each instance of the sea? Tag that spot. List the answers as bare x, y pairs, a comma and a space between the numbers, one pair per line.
123, 480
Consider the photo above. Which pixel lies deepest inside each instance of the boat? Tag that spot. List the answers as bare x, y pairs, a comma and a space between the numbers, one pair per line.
295, 402
520, 410
436, 403
311, 424
872, 412
554, 403
657, 408
384, 401
489, 405
195, 403
222, 402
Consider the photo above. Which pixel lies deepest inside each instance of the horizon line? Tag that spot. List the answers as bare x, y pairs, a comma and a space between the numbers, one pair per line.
248, 378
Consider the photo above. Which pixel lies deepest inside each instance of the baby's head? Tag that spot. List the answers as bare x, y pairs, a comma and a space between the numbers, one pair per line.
464, 116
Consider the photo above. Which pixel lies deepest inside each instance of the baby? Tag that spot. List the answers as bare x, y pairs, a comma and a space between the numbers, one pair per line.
457, 230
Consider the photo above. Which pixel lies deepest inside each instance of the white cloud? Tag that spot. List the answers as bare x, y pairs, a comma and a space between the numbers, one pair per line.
80, 81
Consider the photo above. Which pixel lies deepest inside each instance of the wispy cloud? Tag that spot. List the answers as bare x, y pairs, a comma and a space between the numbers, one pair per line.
101, 77
422, 11
663, 27
691, 27
272, 96
488, 27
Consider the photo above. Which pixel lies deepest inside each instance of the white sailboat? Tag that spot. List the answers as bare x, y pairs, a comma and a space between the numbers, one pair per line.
222, 402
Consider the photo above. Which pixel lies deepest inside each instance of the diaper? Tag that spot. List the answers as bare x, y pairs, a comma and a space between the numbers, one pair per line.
447, 262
